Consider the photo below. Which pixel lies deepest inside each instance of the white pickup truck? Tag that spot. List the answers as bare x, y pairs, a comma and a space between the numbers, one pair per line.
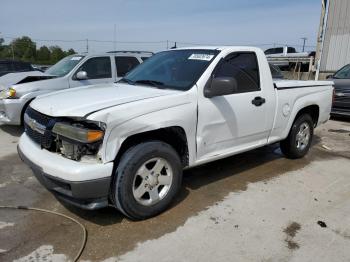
126, 144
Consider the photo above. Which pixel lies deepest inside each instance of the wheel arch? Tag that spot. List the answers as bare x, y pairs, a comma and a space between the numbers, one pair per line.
24, 109
175, 136
312, 110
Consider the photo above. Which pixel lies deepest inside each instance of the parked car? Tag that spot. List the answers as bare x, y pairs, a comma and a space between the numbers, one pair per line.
11, 66
125, 144
70, 72
341, 103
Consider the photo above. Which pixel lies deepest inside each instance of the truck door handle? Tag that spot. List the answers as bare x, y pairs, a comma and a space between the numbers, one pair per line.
258, 101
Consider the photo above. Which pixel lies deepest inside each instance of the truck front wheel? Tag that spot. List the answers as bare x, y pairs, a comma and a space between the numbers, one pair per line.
298, 142
147, 180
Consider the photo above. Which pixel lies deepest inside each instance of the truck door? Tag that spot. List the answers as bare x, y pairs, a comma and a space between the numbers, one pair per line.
98, 70
238, 121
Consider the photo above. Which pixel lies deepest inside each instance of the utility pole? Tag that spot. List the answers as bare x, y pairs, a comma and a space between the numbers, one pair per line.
167, 44
87, 46
304, 41
115, 38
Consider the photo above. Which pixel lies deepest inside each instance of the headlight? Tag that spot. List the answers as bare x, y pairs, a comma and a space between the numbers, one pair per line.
8, 93
78, 133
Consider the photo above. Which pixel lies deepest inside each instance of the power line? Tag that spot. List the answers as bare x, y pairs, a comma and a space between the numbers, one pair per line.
165, 42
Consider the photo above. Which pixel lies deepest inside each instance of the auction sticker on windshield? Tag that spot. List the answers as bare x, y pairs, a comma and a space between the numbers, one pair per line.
203, 57
77, 58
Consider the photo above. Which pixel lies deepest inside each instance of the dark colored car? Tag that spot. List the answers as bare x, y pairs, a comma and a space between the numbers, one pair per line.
341, 79
13, 66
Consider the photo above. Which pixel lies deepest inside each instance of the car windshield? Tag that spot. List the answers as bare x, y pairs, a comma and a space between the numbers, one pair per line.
343, 73
175, 69
64, 66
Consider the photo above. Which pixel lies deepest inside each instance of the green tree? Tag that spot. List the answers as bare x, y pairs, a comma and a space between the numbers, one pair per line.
70, 52
24, 48
2, 47
56, 54
43, 55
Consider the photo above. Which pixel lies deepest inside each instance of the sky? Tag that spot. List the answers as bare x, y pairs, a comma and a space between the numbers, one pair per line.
149, 24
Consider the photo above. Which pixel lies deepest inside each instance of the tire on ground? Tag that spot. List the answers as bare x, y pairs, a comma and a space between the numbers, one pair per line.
122, 187
289, 145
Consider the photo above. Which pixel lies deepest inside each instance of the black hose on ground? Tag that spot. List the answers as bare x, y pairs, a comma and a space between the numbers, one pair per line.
76, 258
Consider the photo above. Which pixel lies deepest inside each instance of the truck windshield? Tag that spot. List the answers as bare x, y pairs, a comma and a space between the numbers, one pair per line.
175, 69
64, 66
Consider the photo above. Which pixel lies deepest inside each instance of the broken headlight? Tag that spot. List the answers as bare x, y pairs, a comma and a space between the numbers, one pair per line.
77, 139
8, 93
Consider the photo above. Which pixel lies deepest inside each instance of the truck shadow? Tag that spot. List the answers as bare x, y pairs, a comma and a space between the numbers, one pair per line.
15, 131
112, 234
207, 184
341, 118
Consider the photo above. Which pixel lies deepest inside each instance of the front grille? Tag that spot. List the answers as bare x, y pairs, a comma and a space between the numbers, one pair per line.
46, 139
39, 117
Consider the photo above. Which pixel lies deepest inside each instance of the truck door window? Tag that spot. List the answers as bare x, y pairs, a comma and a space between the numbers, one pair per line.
243, 66
97, 67
125, 64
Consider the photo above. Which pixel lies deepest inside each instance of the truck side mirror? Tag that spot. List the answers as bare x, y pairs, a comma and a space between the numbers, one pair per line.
81, 75
220, 86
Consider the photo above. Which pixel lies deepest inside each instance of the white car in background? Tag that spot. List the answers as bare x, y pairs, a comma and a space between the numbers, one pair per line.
19, 89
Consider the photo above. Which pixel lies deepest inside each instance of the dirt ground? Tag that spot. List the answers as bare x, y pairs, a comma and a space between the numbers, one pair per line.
257, 206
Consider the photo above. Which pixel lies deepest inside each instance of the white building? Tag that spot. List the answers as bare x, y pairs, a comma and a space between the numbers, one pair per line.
333, 49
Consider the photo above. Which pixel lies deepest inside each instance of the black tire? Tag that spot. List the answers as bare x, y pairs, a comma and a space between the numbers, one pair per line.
289, 145
122, 187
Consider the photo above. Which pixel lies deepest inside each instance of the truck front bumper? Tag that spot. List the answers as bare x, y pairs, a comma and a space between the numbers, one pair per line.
10, 111
53, 171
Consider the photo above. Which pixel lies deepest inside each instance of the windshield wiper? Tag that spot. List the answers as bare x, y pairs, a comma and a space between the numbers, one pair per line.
125, 80
154, 83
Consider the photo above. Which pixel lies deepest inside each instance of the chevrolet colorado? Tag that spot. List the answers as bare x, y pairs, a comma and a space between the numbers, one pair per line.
126, 144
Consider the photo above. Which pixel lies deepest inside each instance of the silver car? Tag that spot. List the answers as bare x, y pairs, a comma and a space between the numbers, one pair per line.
72, 71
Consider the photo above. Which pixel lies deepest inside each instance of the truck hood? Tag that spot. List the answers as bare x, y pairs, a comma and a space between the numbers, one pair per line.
11, 79
82, 101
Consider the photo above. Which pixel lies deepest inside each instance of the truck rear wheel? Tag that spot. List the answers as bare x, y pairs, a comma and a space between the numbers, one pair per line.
298, 142
147, 180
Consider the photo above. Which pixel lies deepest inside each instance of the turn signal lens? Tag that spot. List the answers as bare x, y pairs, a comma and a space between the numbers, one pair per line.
94, 135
